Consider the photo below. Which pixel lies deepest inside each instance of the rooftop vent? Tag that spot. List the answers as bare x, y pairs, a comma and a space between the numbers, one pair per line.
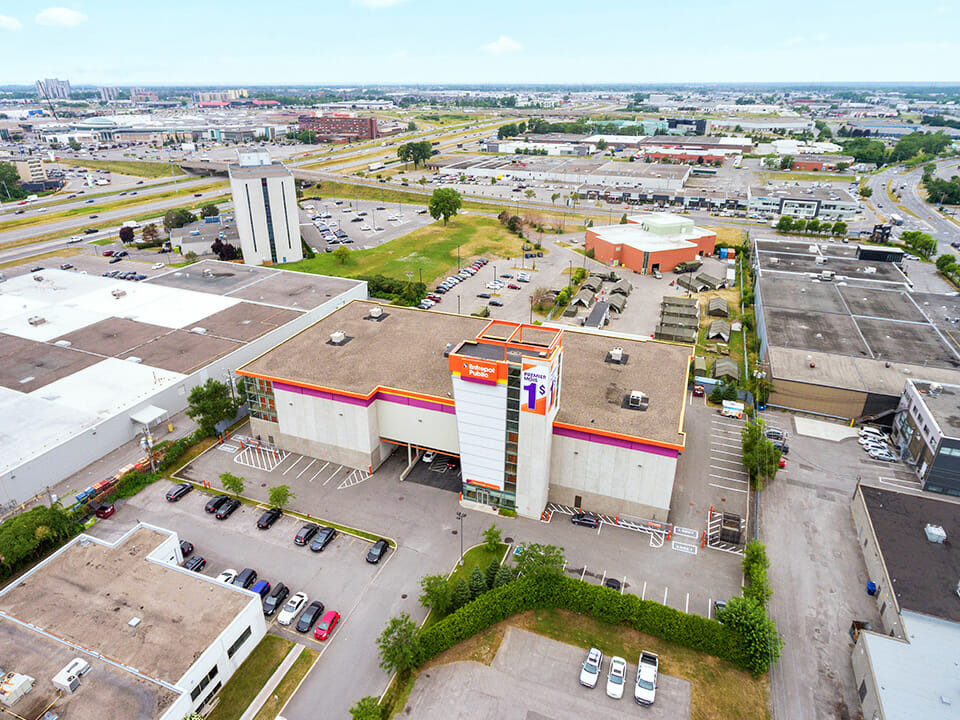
199, 330
338, 337
935, 533
36, 320
63, 343
616, 354
936, 389
376, 311
637, 400
118, 293
133, 359
134, 621
38, 278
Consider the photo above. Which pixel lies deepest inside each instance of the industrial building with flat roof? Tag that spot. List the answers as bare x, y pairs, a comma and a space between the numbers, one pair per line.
81, 355
161, 640
908, 667
650, 242
534, 414
806, 203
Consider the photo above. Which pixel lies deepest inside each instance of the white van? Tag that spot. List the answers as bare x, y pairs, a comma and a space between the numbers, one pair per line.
870, 431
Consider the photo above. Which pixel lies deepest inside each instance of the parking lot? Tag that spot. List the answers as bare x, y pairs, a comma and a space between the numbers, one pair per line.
360, 230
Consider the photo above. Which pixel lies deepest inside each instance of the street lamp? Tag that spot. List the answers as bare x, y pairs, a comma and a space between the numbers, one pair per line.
460, 517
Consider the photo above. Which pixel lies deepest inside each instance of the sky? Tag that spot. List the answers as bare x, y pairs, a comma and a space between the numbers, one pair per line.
344, 42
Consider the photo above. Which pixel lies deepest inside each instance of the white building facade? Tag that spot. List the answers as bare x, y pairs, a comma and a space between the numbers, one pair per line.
265, 208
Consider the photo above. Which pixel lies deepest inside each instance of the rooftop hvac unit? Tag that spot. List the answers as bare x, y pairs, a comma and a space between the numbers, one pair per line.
38, 278
199, 330
14, 686
935, 533
63, 343
936, 389
337, 337
376, 311
774, 261
616, 354
36, 320
118, 293
638, 401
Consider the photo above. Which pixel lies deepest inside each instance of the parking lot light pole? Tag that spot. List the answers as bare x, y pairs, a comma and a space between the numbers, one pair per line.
460, 517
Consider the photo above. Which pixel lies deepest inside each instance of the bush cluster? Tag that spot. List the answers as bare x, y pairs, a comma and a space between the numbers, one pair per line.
397, 291
27, 537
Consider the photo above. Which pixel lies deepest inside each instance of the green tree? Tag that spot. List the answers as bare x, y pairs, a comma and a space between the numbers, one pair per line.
839, 229
478, 582
279, 496
209, 210
150, 233
461, 594
760, 457
553, 198
623, 219
946, 262
503, 576
445, 202
540, 560
602, 144
716, 395
755, 565
748, 617
177, 219
813, 225
786, 162
10, 181
529, 193
436, 593
342, 254
366, 708
411, 126
490, 574
799, 225
210, 403
190, 257
397, 644
491, 537
730, 391
74, 145
866, 191
232, 483
126, 235
785, 223
922, 242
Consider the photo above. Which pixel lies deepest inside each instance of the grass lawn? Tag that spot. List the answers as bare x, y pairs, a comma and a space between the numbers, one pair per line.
104, 241
431, 249
125, 167
300, 667
243, 687
807, 177
474, 557
728, 235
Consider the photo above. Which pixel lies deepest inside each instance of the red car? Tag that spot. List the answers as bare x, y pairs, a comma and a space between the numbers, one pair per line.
783, 463
326, 625
107, 253
698, 391
513, 286
103, 511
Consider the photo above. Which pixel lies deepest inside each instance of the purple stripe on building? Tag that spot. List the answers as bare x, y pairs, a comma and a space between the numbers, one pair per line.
385, 396
615, 442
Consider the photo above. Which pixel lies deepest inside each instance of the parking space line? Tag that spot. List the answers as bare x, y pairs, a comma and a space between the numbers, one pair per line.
318, 472
726, 452
730, 477
332, 476
732, 471
294, 465
723, 487
583, 572
306, 468
715, 443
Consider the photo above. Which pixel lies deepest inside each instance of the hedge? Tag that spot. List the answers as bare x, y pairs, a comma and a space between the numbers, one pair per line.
601, 603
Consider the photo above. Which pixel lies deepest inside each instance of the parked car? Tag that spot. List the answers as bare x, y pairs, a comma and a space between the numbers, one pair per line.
429, 456
309, 616
115, 259
698, 391
648, 668
107, 253
226, 510
613, 584
195, 563
65, 266
274, 601
269, 518
326, 625
323, 538
616, 677
261, 588
496, 303
585, 519
485, 296
883, 454
782, 446
306, 533
227, 576
377, 551
103, 510
245, 578
215, 503
178, 491
294, 605
513, 286
186, 548
590, 672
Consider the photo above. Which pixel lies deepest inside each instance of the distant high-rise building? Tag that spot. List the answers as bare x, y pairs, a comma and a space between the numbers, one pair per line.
53, 89
265, 208
108, 94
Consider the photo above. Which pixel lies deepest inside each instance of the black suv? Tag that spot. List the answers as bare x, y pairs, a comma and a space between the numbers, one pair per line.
175, 493
585, 519
227, 508
246, 578
310, 616
377, 551
275, 599
323, 538
306, 533
269, 518
216, 503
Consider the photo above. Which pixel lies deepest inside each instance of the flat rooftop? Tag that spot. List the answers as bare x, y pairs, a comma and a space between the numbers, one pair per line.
944, 406
924, 574
404, 351
252, 172
640, 239
91, 590
802, 193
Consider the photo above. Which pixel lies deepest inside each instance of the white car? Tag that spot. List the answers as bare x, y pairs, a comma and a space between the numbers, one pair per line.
75, 239
494, 285
293, 607
883, 454
617, 677
158, 266
366, 227
871, 440
590, 672
227, 576
429, 456
645, 691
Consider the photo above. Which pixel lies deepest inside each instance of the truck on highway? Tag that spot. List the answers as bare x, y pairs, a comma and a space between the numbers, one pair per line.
375, 166
896, 219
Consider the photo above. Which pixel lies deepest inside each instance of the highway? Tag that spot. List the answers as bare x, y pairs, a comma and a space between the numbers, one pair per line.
925, 216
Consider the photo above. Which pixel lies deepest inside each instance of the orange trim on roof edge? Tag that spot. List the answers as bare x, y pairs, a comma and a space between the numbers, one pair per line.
617, 436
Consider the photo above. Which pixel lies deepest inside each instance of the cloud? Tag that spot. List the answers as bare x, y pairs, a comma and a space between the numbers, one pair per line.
796, 41
9, 23
378, 3
61, 17
501, 45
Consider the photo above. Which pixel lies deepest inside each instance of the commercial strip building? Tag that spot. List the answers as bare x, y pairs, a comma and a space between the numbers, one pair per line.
812, 162
908, 667
159, 641
265, 208
535, 414
339, 128
650, 242
926, 431
840, 336
87, 358
806, 203
523, 147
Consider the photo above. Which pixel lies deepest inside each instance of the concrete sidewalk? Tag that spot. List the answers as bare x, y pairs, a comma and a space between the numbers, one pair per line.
272, 683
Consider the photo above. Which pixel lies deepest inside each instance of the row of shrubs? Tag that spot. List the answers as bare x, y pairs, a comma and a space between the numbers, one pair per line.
601, 603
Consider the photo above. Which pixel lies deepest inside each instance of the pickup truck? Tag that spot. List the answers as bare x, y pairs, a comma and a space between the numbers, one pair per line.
647, 669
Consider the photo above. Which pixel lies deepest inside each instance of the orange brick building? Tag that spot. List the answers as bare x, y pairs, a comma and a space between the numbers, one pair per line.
656, 241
